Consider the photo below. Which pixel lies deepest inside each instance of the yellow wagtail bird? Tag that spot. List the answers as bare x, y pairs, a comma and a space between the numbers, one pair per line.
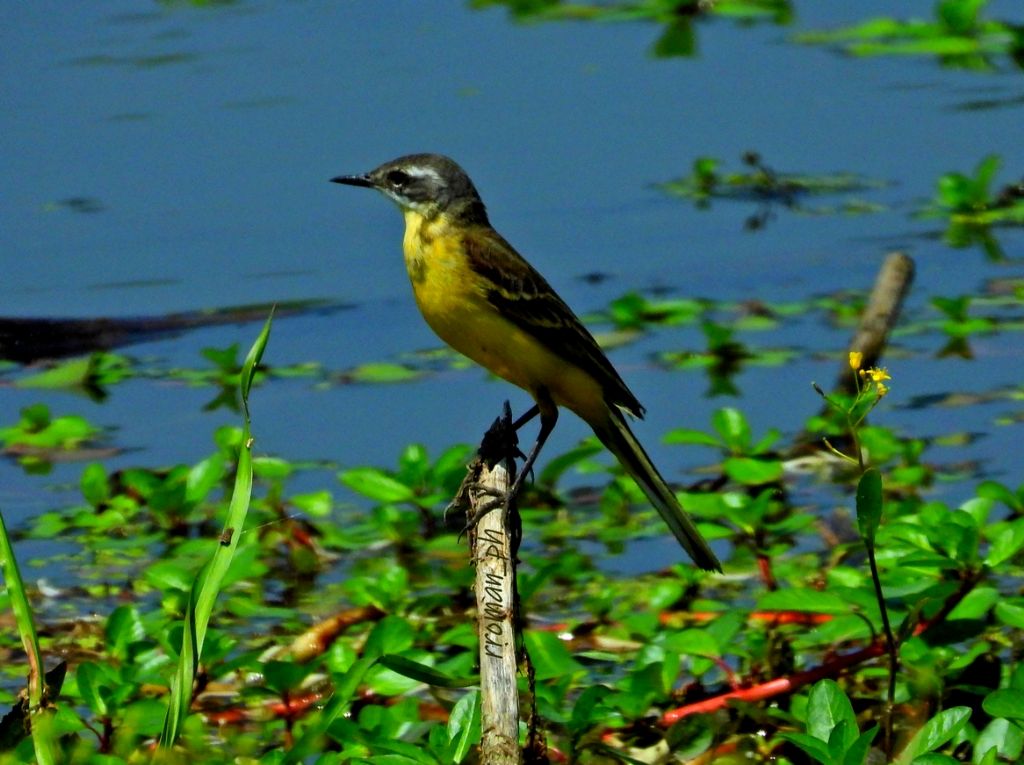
484, 300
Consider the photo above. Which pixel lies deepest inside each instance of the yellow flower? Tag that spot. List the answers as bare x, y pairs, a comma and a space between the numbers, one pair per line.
881, 388
856, 357
878, 375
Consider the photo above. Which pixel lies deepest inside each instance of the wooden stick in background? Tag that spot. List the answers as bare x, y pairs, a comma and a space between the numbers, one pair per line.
880, 316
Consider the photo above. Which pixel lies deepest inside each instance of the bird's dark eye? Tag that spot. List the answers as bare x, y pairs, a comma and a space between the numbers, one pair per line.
397, 177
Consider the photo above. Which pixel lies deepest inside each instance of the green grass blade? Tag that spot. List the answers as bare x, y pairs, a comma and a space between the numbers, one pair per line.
424, 673
206, 587
42, 733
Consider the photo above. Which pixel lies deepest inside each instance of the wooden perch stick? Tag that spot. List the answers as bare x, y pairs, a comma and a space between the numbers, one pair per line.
494, 542
495, 605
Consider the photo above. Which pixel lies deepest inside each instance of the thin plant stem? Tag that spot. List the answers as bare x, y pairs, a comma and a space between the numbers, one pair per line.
891, 649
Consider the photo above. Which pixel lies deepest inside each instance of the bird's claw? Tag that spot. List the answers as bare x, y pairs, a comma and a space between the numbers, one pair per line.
498, 498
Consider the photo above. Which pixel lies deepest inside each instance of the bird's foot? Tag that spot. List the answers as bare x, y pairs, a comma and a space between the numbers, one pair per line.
496, 498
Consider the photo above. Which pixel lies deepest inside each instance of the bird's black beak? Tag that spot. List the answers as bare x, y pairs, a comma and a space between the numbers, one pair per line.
354, 180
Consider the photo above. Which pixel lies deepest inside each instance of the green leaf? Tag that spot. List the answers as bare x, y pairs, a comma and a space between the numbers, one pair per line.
225, 359
550, 656
766, 442
857, 754
1016, 675
678, 38
955, 308
665, 593
813, 747
204, 477
1000, 493
989, 166
953, 190
692, 642
1005, 702
628, 309
690, 436
733, 427
124, 627
391, 634
1010, 614
410, 755
317, 504
1001, 736
803, 600
169, 575
976, 604
252, 361
414, 462
934, 733
283, 676
423, 673
839, 738
705, 167
958, 535
752, 472
381, 372
95, 485
869, 505
69, 374
37, 429
827, 707
464, 726
934, 758
377, 485
1007, 543
959, 16
589, 708
90, 685
272, 468
35, 416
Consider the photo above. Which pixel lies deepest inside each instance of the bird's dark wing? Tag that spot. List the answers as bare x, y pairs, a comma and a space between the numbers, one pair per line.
522, 295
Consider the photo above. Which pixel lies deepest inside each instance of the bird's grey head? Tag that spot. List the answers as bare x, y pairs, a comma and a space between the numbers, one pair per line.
428, 184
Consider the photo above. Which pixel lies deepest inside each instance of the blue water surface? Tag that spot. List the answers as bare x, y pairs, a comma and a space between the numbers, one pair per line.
171, 157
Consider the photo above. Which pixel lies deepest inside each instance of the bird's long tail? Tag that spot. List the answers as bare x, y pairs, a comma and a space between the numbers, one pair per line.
615, 434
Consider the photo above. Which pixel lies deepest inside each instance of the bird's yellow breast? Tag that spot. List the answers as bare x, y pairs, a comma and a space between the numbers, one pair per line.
438, 268
453, 299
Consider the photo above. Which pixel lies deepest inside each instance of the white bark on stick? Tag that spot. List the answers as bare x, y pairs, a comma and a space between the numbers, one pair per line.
495, 603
